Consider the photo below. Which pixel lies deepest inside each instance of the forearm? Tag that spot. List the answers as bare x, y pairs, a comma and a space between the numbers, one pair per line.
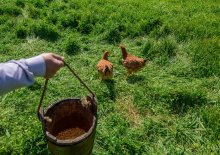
16, 74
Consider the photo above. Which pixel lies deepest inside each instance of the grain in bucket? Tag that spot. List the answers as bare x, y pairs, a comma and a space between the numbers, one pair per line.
69, 125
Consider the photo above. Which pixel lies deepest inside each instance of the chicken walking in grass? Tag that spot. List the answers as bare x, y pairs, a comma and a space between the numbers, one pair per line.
130, 62
105, 67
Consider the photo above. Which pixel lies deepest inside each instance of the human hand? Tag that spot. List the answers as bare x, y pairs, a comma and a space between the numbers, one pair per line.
53, 63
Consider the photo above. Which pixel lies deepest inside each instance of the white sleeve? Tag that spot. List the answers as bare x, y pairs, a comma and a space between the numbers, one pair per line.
16, 74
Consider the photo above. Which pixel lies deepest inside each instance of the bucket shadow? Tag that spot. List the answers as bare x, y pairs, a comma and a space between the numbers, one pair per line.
135, 79
111, 88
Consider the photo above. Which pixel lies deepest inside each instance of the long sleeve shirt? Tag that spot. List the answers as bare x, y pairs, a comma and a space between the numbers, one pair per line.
16, 74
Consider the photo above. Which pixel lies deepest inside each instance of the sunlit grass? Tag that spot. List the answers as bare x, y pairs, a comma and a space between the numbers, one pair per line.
170, 107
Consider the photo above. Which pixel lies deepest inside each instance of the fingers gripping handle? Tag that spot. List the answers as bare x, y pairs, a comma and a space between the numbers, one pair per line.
40, 111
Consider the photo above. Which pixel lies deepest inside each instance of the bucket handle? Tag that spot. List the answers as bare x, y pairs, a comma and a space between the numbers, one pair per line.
40, 111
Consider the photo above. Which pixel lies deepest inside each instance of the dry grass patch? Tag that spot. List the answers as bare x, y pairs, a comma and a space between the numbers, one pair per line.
126, 107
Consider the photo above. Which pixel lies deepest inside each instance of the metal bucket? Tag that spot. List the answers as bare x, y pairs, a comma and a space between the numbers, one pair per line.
70, 124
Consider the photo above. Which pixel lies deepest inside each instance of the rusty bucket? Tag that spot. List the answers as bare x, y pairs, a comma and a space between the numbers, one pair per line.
69, 125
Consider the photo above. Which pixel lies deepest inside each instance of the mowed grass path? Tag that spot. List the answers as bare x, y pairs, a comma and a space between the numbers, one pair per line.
172, 106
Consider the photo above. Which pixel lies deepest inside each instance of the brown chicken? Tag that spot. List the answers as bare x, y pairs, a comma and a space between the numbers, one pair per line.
131, 62
105, 67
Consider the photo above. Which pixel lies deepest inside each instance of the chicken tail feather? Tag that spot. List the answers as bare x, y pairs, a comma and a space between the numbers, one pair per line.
124, 52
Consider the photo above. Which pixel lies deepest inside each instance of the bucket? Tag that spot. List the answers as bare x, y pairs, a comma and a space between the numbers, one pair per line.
69, 125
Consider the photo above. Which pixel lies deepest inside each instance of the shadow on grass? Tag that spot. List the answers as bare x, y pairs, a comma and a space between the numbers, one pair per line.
35, 86
135, 79
181, 102
72, 46
111, 88
2, 130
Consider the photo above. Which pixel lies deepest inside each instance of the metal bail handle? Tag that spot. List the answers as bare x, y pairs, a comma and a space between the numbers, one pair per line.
40, 111
93, 95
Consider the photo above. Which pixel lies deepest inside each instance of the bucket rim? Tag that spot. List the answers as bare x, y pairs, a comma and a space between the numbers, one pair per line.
76, 140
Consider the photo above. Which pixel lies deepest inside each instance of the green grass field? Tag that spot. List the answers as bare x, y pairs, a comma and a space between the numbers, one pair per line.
172, 106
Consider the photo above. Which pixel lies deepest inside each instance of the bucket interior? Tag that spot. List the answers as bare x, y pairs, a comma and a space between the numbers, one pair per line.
70, 119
